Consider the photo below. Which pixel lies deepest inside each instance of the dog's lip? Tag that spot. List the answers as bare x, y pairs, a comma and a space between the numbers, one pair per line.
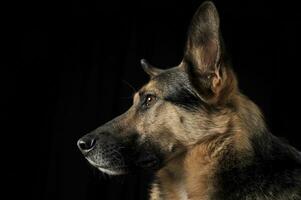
148, 163
105, 167
111, 172
96, 165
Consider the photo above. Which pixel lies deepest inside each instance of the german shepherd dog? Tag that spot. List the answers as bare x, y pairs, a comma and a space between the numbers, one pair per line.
202, 137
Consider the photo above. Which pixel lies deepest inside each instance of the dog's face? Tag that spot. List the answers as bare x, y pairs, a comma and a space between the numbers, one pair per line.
176, 109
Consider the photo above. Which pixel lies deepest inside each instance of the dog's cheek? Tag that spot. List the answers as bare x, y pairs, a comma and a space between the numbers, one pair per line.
146, 125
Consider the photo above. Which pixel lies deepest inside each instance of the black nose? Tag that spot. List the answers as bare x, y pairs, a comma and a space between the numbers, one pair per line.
86, 144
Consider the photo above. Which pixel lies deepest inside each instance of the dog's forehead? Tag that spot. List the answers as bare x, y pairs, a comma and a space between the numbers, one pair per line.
168, 81
174, 85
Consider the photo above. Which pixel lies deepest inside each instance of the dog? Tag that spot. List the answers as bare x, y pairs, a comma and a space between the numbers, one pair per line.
193, 127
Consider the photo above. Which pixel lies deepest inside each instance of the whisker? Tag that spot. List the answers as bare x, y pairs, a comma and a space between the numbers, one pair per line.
128, 84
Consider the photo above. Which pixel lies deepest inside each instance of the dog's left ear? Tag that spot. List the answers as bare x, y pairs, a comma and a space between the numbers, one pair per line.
203, 54
149, 69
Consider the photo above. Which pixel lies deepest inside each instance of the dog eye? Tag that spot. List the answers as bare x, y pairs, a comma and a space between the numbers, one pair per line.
149, 100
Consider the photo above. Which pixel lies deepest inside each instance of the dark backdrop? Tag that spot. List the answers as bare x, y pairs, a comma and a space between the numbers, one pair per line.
66, 68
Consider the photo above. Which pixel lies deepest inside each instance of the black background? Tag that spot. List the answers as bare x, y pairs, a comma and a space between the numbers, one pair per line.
66, 68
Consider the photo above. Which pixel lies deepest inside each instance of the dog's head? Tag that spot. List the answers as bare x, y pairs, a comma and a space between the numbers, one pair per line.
176, 109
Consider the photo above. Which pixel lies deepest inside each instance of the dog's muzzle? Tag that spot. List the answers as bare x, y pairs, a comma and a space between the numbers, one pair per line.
115, 155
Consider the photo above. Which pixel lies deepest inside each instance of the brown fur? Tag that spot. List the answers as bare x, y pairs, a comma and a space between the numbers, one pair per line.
195, 168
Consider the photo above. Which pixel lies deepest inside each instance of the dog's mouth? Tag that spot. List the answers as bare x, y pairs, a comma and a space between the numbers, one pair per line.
118, 166
149, 161
121, 159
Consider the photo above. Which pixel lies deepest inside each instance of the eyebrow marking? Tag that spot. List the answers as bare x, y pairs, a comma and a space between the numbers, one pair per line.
141, 93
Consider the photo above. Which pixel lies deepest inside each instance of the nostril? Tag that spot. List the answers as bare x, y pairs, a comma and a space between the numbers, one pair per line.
86, 144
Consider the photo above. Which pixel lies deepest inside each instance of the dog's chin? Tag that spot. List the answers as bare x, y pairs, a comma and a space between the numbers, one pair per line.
106, 169
111, 172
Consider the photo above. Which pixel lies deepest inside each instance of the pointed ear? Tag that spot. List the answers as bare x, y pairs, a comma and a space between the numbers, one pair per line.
203, 43
149, 69
203, 49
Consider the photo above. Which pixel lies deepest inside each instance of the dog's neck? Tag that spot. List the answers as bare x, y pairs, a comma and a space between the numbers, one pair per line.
191, 174
187, 176
170, 182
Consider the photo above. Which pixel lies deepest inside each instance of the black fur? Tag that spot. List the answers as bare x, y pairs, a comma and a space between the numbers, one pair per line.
184, 97
178, 90
272, 172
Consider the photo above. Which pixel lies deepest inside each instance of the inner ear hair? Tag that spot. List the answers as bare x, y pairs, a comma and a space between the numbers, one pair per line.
203, 47
204, 56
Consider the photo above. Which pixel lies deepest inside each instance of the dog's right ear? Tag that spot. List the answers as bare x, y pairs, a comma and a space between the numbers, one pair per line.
149, 69
203, 57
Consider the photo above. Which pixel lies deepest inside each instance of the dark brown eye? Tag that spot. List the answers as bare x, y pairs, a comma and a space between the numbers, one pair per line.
149, 100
